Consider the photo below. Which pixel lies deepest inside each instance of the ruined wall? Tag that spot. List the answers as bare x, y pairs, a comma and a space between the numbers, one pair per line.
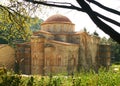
88, 51
61, 57
50, 60
37, 55
7, 55
23, 58
104, 56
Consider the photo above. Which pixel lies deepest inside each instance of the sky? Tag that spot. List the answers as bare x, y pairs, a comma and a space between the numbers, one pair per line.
81, 19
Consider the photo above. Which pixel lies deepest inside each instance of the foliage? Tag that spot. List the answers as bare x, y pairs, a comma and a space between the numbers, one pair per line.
104, 40
13, 26
102, 78
15, 21
85, 30
35, 24
95, 33
20, 29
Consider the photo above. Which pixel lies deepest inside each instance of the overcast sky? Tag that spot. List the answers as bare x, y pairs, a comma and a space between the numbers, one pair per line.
82, 20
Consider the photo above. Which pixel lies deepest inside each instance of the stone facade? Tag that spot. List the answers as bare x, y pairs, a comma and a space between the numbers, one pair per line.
7, 55
57, 48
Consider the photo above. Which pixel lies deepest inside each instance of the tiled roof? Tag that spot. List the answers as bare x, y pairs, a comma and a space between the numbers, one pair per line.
58, 18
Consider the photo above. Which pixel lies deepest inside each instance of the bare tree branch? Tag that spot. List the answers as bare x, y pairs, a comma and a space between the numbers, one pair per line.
56, 4
71, 6
104, 27
93, 15
107, 19
104, 7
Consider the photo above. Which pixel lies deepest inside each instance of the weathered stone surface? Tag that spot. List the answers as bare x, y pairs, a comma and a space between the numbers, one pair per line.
88, 50
37, 55
7, 56
23, 57
104, 56
62, 57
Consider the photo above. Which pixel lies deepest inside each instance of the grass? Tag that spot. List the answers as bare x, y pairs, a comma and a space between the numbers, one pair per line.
102, 78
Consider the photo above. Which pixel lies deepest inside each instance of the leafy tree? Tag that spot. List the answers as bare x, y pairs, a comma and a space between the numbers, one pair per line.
95, 16
35, 24
14, 28
15, 21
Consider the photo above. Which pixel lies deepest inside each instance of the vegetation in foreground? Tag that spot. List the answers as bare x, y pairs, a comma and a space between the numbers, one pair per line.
102, 78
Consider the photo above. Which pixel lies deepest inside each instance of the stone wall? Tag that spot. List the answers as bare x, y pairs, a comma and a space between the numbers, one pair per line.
75, 38
61, 57
37, 55
61, 37
7, 54
88, 51
47, 35
104, 56
58, 27
23, 58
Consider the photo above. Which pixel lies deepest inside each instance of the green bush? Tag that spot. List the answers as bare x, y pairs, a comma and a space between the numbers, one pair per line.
102, 78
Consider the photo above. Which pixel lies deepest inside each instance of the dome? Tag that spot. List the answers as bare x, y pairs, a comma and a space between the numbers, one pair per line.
58, 24
58, 18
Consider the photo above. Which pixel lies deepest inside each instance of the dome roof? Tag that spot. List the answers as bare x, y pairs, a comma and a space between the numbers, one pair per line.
58, 18
58, 24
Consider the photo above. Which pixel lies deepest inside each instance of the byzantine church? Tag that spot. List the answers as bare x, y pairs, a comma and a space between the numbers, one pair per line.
57, 48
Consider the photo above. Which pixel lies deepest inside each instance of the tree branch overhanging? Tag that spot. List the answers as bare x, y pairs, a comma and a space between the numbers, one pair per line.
56, 4
107, 19
71, 6
104, 7
104, 27
93, 15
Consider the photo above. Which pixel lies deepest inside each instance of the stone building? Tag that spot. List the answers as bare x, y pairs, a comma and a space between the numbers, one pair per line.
57, 48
